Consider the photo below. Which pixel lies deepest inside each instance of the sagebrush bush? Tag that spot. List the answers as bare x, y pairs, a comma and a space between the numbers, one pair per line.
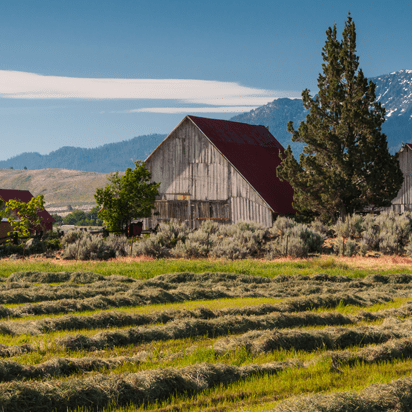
199, 242
241, 240
281, 225
71, 237
298, 241
160, 244
351, 248
84, 246
352, 227
387, 232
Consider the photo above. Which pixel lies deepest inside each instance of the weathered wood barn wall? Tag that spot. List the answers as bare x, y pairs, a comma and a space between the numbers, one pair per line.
218, 170
403, 201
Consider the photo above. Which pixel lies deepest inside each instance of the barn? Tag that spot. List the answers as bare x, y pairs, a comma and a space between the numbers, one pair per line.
218, 170
403, 200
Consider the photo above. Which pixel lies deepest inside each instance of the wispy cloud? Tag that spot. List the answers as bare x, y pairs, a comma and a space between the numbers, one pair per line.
23, 85
209, 109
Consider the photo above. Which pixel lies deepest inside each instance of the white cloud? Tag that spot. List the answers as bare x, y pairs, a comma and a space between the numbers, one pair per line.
25, 85
186, 110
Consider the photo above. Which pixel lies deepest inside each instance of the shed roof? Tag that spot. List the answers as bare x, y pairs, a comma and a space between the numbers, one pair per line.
24, 196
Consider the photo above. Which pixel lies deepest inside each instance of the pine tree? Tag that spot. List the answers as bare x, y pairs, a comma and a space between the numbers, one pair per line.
345, 165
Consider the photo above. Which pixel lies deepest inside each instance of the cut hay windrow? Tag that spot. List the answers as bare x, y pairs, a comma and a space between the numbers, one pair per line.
104, 320
395, 396
391, 350
194, 286
182, 329
41, 293
58, 367
206, 277
132, 299
133, 388
310, 340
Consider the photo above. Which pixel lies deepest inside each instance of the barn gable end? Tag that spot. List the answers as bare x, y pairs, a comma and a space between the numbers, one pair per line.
403, 200
202, 166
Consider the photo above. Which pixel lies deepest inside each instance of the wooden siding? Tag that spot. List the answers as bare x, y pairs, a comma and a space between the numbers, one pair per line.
193, 172
403, 200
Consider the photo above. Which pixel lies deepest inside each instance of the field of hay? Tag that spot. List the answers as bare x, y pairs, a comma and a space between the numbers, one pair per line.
321, 336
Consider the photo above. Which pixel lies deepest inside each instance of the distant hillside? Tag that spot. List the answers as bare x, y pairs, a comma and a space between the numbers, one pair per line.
61, 187
104, 159
393, 90
276, 115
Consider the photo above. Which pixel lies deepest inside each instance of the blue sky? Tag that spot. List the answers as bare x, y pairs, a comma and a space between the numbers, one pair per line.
85, 73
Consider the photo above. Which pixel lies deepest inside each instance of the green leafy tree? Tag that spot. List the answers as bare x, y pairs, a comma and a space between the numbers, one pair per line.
74, 217
94, 213
345, 165
24, 217
58, 220
127, 197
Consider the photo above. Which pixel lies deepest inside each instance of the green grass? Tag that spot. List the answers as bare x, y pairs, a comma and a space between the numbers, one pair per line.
256, 393
149, 269
261, 393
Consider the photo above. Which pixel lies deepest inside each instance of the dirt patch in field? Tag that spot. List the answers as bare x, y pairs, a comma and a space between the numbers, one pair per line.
379, 262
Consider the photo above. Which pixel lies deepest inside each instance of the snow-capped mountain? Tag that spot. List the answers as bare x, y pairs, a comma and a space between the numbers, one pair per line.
393, 90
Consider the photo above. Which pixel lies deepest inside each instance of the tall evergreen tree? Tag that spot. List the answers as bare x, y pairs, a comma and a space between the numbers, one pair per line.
345, 165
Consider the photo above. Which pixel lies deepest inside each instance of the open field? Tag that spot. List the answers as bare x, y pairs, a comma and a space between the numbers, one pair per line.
60, 187
146, 267
206, 335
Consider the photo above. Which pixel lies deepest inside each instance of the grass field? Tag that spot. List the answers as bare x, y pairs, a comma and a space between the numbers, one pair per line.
206, 335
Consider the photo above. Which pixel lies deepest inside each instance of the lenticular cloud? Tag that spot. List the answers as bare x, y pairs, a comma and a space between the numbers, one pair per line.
23, 85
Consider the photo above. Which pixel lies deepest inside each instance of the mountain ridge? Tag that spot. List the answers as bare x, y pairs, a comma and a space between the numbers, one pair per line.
102, 159
393, 90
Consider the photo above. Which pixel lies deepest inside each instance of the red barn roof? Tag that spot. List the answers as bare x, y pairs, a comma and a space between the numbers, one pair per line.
254, 152
24, 196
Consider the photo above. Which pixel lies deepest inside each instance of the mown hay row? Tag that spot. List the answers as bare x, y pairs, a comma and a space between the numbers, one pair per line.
133, 388
182, 329
310, 340
391, 350
7, 351
134, 299
213, 277
103, 320
243, 285
57, 367
82, 277
390, 397
51, 293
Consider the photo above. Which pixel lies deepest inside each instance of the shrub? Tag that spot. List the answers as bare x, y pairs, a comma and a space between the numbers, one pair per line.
352, 227
71, 237
282, 225
160, 244
85, 246
241, 240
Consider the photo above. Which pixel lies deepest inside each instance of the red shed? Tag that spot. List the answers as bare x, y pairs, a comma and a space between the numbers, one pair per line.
219, 170
25, 196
